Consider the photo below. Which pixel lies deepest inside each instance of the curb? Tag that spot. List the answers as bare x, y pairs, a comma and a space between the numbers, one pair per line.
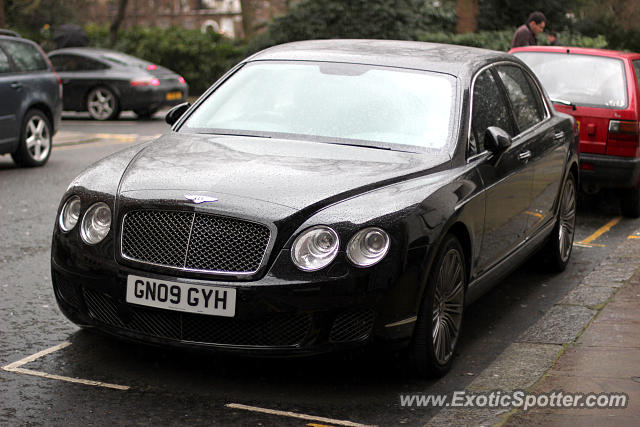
527, 361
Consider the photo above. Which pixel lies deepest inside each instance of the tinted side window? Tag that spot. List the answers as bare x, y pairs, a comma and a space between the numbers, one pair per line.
527, 104
75, 63
5, 66
26, 56
636, 68
489, 109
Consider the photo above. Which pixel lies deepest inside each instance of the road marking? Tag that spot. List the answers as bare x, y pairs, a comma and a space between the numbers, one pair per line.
592, 245
294, 415
599, 232
633, 236
16, 367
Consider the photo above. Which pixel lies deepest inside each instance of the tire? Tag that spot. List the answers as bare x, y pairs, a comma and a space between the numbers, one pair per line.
145, 114
35, 143
630, 202
103, 104
560, 244
439, 322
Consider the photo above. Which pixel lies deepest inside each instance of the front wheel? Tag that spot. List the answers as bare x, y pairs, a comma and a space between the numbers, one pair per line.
561, 240
440, 320
102, 104
35, 140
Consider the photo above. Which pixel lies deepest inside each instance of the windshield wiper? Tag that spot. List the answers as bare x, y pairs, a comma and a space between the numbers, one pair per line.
252, 135
564, 102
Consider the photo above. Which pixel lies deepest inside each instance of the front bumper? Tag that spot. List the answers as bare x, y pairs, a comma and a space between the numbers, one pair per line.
609, 171
296, 318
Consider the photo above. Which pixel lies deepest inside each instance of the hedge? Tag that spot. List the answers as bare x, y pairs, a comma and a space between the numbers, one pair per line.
201, 58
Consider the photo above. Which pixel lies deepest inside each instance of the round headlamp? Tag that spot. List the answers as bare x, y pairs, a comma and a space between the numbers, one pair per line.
70, 214
315, 248
96, 223
368, 246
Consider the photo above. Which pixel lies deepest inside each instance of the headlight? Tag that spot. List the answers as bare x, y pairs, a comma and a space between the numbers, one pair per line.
315, 248
69, 214
368, 246
96, 223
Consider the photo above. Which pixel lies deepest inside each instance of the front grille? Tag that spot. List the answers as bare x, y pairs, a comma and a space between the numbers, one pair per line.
276, 330
194, 241
352, 325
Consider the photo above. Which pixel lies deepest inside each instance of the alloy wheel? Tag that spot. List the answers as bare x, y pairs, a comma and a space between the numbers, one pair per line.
567, 218
38, 138
101, 104
448, 304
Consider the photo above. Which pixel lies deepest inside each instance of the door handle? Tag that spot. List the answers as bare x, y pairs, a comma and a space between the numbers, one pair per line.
525, 155
558, 136
16, 86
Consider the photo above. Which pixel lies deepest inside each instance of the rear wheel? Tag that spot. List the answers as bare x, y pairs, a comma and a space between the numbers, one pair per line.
630, 202
439, 323
35, 140
102, 104
561, 241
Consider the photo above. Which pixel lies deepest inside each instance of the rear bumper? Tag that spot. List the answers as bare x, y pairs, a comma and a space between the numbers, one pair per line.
609, 171
153, 98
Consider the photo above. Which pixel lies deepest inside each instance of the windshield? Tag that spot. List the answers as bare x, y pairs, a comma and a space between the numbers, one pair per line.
331, 101
594, 81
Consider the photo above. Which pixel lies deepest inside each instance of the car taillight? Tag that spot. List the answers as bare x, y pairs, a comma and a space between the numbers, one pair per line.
181, 80
145, 82
152, 67
623, 138
59, 84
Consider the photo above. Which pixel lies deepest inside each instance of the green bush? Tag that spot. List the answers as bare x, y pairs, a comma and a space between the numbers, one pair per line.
200, 58
358, 19
501, 40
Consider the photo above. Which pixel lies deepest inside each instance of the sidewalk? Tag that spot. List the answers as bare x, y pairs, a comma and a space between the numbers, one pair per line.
588, 343
605, 358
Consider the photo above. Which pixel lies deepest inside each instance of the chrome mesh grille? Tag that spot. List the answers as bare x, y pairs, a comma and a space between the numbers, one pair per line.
194, 241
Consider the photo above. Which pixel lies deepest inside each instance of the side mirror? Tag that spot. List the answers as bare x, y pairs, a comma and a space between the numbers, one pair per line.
496, 139
176, 112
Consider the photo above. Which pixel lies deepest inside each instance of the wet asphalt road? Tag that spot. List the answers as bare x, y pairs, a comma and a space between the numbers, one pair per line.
174, 387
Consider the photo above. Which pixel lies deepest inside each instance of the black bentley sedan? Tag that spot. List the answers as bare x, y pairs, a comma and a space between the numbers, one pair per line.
323, 195
105, 82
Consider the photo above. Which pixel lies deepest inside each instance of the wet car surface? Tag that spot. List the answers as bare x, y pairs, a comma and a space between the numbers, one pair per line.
324, 195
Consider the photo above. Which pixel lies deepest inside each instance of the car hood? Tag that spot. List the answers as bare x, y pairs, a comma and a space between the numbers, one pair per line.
291, 173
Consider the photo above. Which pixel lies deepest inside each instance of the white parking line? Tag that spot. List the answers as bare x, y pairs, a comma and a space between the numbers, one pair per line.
16, 367
295, 415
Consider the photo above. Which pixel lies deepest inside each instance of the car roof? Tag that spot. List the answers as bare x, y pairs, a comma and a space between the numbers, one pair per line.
446, 58
89, 51
577, 50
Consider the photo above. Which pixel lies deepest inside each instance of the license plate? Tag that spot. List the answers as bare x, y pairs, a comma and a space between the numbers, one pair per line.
190, 298
172, 96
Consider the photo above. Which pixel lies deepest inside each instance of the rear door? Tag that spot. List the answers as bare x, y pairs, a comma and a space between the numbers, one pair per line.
543, 140
506, 176
9, 102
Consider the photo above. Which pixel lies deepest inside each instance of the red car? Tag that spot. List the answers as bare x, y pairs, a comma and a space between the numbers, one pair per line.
600, 89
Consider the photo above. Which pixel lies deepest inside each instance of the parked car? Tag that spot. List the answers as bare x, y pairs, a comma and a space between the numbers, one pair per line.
31, 101
600, 89
323, 195
105, 82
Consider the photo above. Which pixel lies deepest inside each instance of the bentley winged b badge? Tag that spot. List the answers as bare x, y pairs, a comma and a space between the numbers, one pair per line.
195, 198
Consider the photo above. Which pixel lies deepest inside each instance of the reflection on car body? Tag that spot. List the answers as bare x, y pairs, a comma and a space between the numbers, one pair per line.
105, 82
352, 191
